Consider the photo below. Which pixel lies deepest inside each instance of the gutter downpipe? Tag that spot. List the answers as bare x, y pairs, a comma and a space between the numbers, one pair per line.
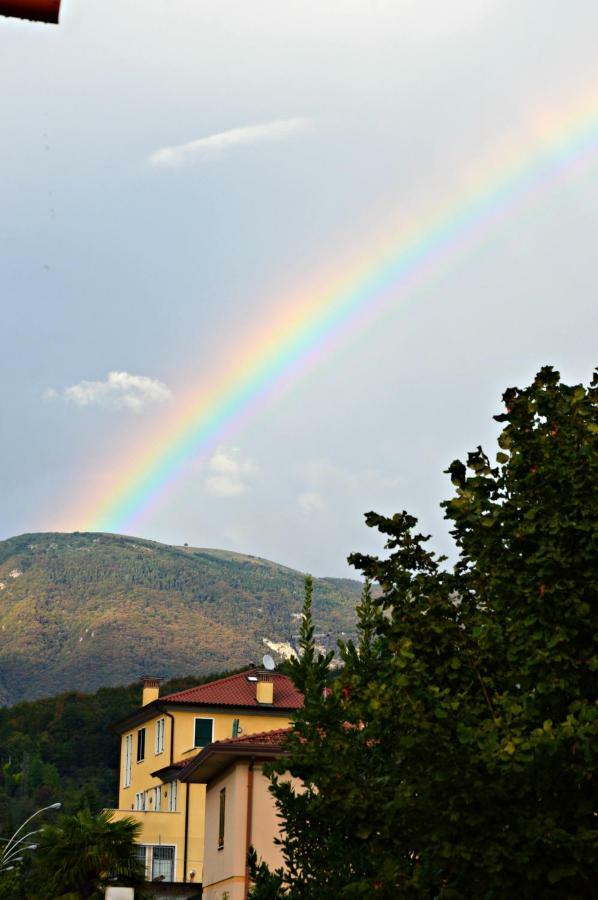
188, 788
171, 717
248, 836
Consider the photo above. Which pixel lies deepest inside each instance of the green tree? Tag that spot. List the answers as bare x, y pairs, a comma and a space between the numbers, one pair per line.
9, 885
78, 855
455, 754
327, 742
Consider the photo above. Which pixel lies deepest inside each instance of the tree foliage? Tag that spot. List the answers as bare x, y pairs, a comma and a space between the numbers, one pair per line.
79, 855
41, 757
455, 754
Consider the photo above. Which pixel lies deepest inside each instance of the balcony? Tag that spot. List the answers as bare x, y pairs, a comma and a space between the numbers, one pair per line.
161, 827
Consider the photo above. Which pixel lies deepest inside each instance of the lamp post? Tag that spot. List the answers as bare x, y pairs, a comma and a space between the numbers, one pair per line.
16, 844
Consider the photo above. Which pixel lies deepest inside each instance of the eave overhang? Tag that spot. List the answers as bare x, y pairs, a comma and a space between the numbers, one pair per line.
145, 713
169, 772
213, 760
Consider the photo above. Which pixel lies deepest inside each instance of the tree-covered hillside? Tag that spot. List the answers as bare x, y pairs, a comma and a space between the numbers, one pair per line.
88, 610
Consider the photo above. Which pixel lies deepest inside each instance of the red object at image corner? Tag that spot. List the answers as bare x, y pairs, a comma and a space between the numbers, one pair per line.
36, 10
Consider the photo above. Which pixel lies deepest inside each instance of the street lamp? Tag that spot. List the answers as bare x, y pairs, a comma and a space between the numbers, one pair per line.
17, 844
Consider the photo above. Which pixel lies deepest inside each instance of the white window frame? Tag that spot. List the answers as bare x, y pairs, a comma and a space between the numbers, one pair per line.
141, 759
140, 804
148, 856
128, 761
203, 719
157, 798
159, 747
172, 796
172, 847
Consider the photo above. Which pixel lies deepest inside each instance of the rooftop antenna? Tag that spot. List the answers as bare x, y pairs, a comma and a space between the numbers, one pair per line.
268, 663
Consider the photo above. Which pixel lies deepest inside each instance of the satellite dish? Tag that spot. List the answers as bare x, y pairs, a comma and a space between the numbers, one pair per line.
268, 662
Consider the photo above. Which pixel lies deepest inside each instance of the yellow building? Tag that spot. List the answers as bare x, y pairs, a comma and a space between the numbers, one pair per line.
159, 739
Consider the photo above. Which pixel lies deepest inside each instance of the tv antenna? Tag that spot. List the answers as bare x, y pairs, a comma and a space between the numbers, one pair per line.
268, 662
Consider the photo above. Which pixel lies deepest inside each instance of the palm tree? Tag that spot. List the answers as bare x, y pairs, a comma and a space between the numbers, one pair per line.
79, 854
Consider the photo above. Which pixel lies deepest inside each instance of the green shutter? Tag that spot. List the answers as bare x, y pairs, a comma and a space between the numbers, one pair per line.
140, 744
203, 732
221, 822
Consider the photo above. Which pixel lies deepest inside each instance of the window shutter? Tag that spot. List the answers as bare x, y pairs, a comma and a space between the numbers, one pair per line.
221, 819
172, 796
128, 760
141, 744
203, 732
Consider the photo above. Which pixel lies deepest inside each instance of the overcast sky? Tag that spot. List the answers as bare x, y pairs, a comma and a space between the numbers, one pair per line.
171, 170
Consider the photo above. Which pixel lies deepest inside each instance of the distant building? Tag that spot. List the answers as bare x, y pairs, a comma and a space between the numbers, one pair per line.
240, 811
160, 739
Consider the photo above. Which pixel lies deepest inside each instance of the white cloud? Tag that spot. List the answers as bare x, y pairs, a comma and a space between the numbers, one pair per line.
120, 390
228, 473
330, 487
215, 144
310, 502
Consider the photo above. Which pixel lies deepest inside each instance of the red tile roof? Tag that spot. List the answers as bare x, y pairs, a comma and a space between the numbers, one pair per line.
214, 757
272, 738
236, 690
179, 764
262, 740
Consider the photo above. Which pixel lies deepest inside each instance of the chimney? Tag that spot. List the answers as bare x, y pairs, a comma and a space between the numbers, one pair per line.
264, 689
151, 689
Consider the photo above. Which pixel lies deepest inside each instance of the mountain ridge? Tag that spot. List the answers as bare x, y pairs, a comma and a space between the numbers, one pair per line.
83, 610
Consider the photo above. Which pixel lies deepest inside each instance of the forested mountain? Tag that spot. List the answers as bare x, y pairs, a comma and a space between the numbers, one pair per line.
87, 610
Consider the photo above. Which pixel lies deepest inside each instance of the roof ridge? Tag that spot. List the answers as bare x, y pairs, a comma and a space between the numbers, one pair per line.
216, 681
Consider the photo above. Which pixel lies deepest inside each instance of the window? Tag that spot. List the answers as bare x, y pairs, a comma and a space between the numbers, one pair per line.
159, 736
140, 801
163, 863
221, 819
235, 728
128, 758
141, 745
156, 861
157, 799
141, 853
203, 732
172, 796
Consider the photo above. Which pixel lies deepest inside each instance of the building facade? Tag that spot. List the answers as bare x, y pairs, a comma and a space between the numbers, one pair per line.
160, 738
240, 810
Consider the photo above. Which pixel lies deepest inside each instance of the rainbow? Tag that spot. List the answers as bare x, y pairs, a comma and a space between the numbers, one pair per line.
552, 152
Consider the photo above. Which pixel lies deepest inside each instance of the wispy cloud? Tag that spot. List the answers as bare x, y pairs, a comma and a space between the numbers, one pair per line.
228, 473
311, 501
120, 390
215, 144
